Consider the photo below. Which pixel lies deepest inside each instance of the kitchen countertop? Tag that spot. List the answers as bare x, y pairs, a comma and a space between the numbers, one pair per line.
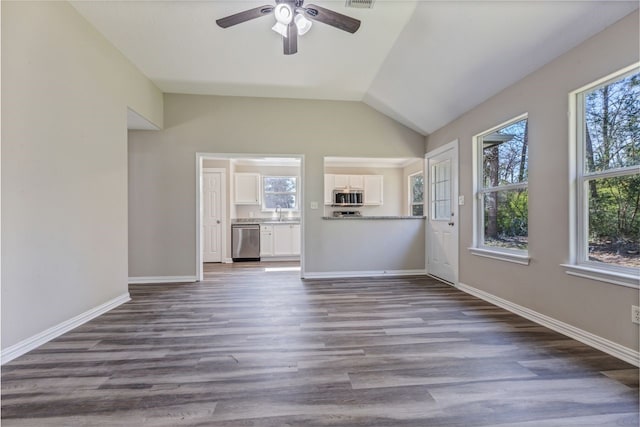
293, 220
372, 217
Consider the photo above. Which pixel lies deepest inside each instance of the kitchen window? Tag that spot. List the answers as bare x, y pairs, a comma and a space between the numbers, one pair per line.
279, 192
416, 194
606, 152
501, 189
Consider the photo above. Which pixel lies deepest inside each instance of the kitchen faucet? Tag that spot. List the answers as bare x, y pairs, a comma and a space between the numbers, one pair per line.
279, 212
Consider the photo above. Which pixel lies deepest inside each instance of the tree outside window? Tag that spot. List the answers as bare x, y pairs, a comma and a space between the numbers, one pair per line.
609, 173
416, 194
503, 200
279, 192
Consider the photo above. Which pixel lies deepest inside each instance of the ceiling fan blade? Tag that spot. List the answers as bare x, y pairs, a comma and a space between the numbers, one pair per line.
247, 15
329, 17
291, 41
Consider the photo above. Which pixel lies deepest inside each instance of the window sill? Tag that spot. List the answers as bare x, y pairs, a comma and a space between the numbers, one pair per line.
608, 276
522, 259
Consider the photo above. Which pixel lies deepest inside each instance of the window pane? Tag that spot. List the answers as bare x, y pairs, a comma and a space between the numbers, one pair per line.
612, 125
275, 200
417, 210
506, 219
614, 220
280, 184
505, 155
417, 188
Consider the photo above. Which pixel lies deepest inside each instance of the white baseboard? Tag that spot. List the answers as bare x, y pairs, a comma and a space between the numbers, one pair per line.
227, 261
372, 273
161, 279
43, 337
621, 352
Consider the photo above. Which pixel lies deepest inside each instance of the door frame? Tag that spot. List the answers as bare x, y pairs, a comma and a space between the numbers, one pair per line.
450, 146
223, 211
200, 157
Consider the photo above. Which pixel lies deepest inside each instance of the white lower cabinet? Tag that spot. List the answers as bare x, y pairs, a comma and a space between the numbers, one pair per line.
280, 240
266, 240
286, 239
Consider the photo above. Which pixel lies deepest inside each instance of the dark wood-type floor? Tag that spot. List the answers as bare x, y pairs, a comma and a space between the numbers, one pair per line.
251, 348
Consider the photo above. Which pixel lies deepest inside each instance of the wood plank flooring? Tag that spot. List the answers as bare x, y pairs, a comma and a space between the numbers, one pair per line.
247, 347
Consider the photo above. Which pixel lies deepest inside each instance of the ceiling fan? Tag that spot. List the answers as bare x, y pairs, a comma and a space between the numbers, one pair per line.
291, 20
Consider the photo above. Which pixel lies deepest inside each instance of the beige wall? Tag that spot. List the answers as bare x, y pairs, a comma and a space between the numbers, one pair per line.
65, 93
162, 172
601, 308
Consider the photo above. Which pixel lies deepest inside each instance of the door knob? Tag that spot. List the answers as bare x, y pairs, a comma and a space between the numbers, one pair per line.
218, 221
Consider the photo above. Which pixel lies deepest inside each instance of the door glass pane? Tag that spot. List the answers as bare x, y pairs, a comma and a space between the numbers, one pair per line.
506, 219
614, 220
441, 191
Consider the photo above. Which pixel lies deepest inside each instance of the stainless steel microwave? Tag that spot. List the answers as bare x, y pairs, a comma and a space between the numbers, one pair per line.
347, 198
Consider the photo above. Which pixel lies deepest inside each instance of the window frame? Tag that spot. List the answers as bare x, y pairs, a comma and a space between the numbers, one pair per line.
264, 193
412, 203
579, 263
518, 256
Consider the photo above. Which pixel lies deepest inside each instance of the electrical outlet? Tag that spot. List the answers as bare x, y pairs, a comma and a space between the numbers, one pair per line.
635, 314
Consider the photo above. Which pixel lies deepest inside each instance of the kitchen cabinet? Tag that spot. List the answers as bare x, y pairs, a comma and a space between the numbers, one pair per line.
266, 240
329, 185
351, 181
372, 186
373, 189
286, 239
278, 240
333, 181
246, 189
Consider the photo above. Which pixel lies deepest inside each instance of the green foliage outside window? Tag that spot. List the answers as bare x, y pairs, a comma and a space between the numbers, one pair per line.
612, 148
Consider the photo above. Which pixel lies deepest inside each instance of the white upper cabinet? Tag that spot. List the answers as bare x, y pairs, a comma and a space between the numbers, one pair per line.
371, 184
247, 189
373, 189
351, 181
329, 185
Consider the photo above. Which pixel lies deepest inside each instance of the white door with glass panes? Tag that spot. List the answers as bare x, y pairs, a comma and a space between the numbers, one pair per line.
442, 215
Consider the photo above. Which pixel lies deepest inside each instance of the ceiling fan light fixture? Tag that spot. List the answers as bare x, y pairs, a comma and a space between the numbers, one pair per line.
303, 24
283, 13
280, 28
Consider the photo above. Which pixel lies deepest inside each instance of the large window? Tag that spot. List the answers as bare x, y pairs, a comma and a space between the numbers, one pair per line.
502, 213
607, 139
416, 194
279, 192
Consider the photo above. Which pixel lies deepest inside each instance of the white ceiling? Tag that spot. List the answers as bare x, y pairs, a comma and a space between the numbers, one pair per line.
422, 63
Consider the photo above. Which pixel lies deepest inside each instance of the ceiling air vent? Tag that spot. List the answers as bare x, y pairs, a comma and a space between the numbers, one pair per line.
361, 4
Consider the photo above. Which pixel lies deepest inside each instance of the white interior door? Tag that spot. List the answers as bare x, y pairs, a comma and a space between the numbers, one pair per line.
212, 220
442, 219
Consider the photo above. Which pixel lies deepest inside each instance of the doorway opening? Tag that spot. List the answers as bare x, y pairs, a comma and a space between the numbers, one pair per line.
256, 196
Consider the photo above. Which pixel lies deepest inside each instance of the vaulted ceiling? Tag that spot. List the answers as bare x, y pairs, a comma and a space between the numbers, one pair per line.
422, 63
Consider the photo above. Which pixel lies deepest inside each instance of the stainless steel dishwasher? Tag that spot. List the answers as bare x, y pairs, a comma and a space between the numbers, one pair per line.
245, 242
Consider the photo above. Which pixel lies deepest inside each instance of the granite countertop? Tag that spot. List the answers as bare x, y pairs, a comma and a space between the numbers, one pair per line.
372, 217
293, 220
